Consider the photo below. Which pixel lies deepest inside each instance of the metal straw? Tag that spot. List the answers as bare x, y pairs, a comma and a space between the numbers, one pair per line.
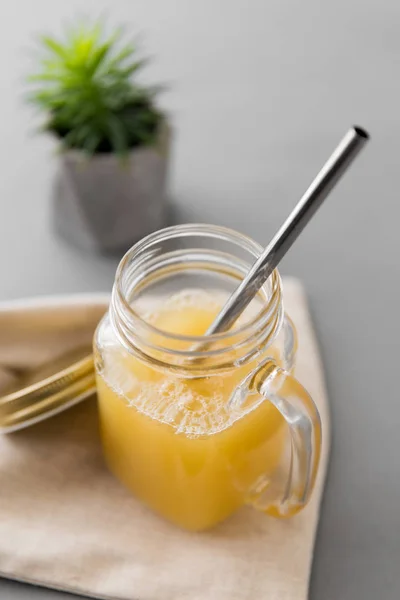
329, 175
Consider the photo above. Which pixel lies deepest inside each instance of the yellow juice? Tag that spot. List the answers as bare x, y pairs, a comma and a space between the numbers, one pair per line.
173, 441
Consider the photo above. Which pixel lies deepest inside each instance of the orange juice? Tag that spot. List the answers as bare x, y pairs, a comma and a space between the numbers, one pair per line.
174, 441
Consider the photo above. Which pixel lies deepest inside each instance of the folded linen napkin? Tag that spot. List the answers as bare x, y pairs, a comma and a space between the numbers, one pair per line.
66, 523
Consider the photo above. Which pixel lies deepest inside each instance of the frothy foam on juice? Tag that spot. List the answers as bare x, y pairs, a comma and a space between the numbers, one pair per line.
191, 406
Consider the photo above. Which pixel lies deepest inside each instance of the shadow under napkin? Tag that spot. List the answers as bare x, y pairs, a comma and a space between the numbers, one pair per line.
65, 522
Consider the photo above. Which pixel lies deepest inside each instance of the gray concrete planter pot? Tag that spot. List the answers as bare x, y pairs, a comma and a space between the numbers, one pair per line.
105, 205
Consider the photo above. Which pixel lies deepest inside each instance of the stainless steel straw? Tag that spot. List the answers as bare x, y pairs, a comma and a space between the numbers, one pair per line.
312, 199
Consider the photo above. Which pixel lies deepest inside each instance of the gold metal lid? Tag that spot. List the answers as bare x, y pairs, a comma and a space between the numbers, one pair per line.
48, 390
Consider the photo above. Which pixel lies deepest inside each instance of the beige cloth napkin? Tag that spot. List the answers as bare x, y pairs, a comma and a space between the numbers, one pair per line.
66, 523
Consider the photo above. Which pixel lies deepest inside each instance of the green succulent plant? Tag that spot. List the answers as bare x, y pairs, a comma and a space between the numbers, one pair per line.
86, 88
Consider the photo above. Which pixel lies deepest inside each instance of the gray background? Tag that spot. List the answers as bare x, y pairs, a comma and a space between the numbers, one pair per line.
261, 91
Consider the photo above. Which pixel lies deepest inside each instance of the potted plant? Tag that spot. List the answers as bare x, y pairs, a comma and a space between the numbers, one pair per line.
110, 188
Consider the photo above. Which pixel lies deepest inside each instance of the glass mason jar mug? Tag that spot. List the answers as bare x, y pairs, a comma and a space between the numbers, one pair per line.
195, 430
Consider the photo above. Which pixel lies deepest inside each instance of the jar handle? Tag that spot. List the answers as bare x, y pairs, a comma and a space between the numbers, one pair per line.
289, 493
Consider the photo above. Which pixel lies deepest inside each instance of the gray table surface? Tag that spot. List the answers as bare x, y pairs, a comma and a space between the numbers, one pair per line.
260, 94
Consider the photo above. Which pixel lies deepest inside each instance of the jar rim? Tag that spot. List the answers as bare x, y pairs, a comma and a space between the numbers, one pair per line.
211, 231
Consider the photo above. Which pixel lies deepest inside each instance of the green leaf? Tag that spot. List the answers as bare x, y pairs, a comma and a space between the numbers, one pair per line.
122, 56
53, 46
116, 37
118, 136
92, 142
40, 77
69, 141
128, 71
98, 59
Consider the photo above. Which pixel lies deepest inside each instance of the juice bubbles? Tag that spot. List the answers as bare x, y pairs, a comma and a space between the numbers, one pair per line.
173, 440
